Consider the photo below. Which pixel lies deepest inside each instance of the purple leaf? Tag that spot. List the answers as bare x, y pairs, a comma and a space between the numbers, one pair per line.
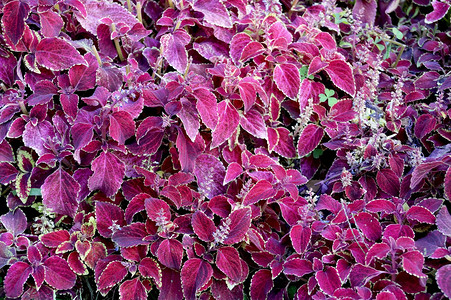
15, 279
412, 263
229, 262
51, 23
360, 275
57, 55
59, 193
173, 49
82, 77
239, 223
170, 253
203, 226
261, 190
132, 290
229, 119
298, 267
158, 211
171, 287
287, 79
328, 280
58, 273
388, 182
442, 276
15, 222
195, 274
341, 75
131, 235
430, 243
8, 62
233, 171
149, 268
114, 273
207, 107
55, 238
108, 174
122, 126
309, 139
253, 122
420, 214
13, 22
214, 12
369, 225
300, 238
109, 217
444, 221
440, 10
424, 124
365, 11
261, 284
8, 173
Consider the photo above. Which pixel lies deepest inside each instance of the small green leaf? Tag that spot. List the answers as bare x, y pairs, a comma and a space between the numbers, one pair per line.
387, 52
380, 47
397, 33
329, 93
322, 97
332, 101
317, 153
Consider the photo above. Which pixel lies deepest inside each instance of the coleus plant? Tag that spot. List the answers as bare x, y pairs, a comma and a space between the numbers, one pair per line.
225, 149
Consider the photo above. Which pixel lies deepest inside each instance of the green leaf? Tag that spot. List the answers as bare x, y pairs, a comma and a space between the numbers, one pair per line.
380, 47
331, 101
322, 97
397, 33
33, 192
329, 93
387, 52
317, 153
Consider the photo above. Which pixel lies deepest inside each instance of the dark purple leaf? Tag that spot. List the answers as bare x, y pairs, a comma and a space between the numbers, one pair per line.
195, 274
108, 174
57, 54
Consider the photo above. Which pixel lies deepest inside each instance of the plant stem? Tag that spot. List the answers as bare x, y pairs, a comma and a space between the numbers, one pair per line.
96, 55
117, 45
23, 108
171, 5
138, 12
129, 6
398, 58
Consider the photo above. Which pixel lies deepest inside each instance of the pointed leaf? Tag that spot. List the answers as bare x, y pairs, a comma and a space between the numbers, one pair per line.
442, 276
132, 290
369, 225
229, 119
287, 79
298, 267
13, 22
328, 280
203, 226
195, 274
214, 12
131, 235
57, 55
15, 279
15, 222
170, 253
309, 139
341, 75
109, 218
300, 238
229, 262
108, 174
149, 268
58, 273
261, 284
239, 224
388, 182
412, 263
261, 190
114, 273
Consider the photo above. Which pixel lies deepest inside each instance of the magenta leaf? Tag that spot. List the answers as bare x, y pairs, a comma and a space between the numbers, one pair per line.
369, 225
55, 238
158, 211
15, 279
203, 226
440, 10
114, 273
171, 287
420, 214
170, 253
210, 174
229, 119
131, 235
360, 275
341, 75
149, 268
443, 275
300, 238
328, 280
424, 124
13, 21
287, 79
207, 107
57, 54
82, 77
51, 23
261, 284
444, 221
261, 190
132, 290
253, 122
58, 273
173, 49
122, 126
388, 182
239, 223
59, 193
309, 139
195, 274
229, 262
298, 267
108, 174
378, 250
214, 12
109, 218
412, 263
8, 172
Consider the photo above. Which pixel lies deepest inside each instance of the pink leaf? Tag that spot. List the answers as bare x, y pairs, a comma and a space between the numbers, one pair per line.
447, 183
195, 274
57, 55
413, 262
15, 279
214, 12
82, 77
237, 44
149, 268
58, 273
171, 287
444, 221
328, 280
300, 238
298, 267
229, 262
341, 75
360, 275
203, 226
109, 217
440, 10
207, 107
173, 49
388, 182
59, 193
253, 122
369, 225
229, 119
13, 22
132, 290
210, 173
170, 253
261, 284
122, 126
233, 171
378, 250
443, 276
287, 79
240, 222
251, 50
285, 144
425, 124
114, 273
316, 65
55, 238
51, 23
261, 190
309, 139
420, 214
108, 174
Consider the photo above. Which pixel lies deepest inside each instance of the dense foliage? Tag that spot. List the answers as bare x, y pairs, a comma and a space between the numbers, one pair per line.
225, 149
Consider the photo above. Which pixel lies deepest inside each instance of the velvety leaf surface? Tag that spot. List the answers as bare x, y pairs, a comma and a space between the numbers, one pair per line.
287, 79
443, 275
108, 174
309, 139
15, 279
57, 54
214, 12
58, 273
132, 289
195, 274
261, 284
341, 75
170, 253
